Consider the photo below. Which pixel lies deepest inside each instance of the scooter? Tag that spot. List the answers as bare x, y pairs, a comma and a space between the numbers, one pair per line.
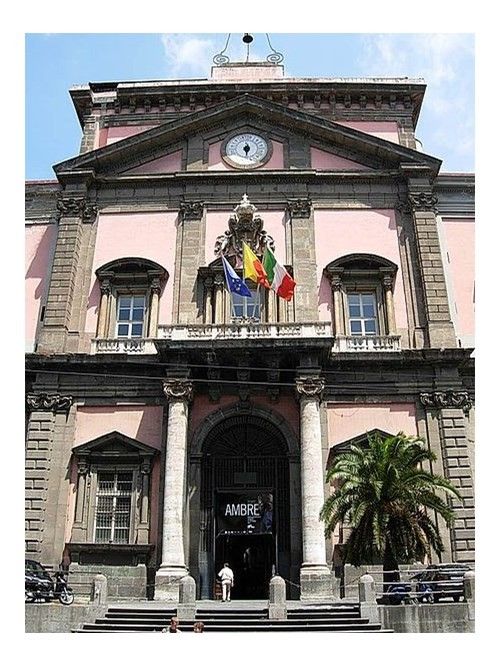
36, 590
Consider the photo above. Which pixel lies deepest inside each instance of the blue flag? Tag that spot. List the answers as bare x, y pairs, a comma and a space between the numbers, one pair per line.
235, 284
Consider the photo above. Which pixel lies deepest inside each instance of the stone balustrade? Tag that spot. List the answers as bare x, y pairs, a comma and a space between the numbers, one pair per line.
367, 344
245, 330
123, 346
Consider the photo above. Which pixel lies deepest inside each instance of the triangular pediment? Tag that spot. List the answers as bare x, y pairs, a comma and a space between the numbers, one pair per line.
159, 150
360, 440
114, 445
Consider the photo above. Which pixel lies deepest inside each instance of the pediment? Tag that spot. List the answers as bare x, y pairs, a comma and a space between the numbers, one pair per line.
360, 440
114, 445
159, 150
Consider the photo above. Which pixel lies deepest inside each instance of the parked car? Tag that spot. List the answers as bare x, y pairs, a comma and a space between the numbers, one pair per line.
438, 582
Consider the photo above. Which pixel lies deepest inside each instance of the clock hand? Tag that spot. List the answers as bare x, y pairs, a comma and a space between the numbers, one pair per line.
246, 148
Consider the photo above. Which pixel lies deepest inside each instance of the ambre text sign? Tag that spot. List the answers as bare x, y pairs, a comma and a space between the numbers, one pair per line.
244, 514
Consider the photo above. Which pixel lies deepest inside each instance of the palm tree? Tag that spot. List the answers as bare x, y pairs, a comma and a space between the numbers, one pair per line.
384, 494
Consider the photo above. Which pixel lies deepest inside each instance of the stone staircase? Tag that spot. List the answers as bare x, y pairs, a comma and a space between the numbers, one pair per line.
237, 617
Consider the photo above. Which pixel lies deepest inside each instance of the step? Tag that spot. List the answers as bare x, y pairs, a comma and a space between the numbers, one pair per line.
250, 627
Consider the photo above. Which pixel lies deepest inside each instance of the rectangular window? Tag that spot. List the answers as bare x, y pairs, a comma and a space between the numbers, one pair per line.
130, 316
246, 308
362, 314
113, 505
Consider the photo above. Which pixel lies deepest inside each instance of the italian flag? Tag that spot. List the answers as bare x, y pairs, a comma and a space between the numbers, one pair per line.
252, 267
279, 278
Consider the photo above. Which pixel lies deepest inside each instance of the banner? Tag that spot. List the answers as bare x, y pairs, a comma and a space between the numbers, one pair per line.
245, 513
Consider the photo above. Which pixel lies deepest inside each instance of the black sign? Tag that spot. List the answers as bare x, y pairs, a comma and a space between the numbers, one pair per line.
244, 513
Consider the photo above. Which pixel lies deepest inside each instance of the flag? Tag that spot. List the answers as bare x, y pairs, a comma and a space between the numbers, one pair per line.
252, 267
279, 278
235, 284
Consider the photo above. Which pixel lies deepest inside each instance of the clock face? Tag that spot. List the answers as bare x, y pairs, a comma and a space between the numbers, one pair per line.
246, 150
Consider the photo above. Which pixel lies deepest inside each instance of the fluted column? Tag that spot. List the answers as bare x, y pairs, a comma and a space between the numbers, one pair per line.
173, 566
315, 576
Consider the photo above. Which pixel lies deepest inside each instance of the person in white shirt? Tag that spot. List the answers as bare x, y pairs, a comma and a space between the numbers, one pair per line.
226, 576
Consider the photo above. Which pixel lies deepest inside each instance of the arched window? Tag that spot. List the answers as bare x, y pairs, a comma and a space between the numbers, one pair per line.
363, 302
130, 293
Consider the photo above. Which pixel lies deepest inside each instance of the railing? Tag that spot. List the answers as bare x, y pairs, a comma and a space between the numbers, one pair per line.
123, 346
245, 330
367, 344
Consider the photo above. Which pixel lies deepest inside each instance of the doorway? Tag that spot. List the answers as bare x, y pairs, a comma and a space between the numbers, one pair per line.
251, 557
245, 463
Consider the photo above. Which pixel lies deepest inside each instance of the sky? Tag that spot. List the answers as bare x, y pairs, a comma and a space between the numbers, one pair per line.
56, 61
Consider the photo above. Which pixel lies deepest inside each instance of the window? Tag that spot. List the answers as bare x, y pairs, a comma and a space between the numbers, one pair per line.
246, 308
362, 314
130, 316
113, 505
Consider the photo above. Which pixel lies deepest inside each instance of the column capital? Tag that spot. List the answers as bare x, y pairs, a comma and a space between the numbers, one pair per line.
155, 286
299, 208
105, 286
446, 399
422, 201
191, 210
178, 389
54, 402
308, 386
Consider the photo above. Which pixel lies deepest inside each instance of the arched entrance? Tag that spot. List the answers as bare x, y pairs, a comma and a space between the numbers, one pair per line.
244, 504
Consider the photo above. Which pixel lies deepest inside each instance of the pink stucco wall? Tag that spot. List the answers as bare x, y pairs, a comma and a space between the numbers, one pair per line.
383, 129
216, 224
144, 423
110, 135
325, 160
459, 246
163, 165
39, 245
148, 235
215, 161
343, 232
350, 420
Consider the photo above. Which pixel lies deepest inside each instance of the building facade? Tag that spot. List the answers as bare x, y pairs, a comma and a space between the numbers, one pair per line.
172, 426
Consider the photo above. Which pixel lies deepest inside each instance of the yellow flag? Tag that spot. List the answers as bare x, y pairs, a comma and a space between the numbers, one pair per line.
252, 267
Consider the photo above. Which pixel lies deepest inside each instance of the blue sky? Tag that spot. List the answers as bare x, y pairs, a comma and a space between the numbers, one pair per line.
56, 61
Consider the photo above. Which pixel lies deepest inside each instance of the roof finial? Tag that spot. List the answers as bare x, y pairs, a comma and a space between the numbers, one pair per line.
221, 59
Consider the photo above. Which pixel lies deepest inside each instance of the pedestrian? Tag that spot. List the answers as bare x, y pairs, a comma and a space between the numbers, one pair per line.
174, 624
198, 626
226, 576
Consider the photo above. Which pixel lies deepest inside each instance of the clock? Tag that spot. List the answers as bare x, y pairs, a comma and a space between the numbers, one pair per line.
246, 150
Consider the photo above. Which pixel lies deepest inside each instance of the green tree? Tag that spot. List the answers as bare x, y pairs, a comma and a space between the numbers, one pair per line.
389, 501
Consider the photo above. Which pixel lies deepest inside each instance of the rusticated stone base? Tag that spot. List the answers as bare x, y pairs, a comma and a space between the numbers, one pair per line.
316, 583
167, 583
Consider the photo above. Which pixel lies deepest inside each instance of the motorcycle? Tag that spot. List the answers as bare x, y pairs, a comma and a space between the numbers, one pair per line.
399, 593
39, 585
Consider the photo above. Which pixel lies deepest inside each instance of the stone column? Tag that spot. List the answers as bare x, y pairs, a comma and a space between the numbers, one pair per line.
103, 318
143, 527
154, 308
388, 285
316, 582
338, 316
219, 299
179, 392
208, 285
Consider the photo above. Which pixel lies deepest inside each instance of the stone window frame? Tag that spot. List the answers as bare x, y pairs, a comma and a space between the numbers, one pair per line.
111, 453
362, 272
129, 275
215, 298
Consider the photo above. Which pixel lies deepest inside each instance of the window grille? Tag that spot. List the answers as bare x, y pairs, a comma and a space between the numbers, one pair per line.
113, 505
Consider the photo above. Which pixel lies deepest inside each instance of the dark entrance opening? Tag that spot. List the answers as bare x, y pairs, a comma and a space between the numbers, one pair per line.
245, 463
251, 557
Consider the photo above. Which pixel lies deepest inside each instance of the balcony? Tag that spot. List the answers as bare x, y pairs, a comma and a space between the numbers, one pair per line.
123, 346
239, 331
245, 330
367, 344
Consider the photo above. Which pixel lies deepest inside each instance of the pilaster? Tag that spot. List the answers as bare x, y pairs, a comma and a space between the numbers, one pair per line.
449, 408
303, 259
422, 206
190, 257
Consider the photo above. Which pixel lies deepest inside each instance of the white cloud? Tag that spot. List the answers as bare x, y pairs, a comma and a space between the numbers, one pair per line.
446, 62
188, 55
